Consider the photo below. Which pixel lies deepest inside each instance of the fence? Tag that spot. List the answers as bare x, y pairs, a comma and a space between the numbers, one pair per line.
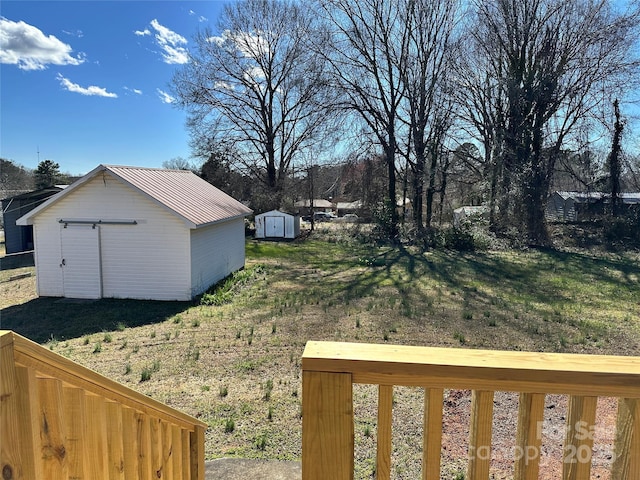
330, 370
63, 421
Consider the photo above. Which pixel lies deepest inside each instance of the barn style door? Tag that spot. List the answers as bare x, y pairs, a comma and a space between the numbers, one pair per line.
274, 227
80, 261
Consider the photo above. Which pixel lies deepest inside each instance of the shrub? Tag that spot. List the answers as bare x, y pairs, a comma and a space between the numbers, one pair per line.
261, 442
222, 292
229, 425
145, 375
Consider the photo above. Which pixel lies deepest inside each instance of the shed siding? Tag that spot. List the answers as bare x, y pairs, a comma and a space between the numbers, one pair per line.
147, 260
216, 252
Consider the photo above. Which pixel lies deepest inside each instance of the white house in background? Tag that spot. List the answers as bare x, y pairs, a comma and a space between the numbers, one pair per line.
277, 224
130, 232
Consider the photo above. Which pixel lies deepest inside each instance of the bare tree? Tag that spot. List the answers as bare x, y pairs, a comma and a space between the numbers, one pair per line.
258, 87
554, 63
370, 41
614, 161
430, 49
179, 163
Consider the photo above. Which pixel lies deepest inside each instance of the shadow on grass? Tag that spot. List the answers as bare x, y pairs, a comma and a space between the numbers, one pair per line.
45, 318
541, 277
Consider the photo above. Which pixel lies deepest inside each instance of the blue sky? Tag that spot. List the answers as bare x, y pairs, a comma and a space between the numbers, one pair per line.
86, 82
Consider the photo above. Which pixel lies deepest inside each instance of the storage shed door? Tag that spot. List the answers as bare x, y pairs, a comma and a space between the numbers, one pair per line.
81, 261
274, 227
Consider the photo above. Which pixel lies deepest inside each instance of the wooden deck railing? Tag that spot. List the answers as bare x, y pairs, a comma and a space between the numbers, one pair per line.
330, 369
63, 421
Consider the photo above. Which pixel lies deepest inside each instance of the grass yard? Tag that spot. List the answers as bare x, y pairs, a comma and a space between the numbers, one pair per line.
236, 366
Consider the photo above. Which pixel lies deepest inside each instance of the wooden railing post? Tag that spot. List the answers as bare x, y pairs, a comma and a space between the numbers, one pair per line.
327, 426
626, 463
197, 453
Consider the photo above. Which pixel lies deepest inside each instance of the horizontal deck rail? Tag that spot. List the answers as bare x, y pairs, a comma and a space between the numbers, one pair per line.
60, 420
330, 369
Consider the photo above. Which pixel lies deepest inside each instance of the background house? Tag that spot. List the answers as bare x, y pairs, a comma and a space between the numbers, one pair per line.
128, 232
578, 206
319, 205
19, 238
277, 224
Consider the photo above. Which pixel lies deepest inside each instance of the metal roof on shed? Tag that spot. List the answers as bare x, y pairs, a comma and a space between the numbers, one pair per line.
180, 191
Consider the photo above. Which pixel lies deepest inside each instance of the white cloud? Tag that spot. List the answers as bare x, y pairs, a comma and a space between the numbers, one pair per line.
165, 97
142, 33
91, 90
27, 47
77, 33
133, 90
251, 45
201, 18
170, 41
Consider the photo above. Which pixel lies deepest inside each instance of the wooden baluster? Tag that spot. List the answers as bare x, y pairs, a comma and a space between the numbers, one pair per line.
24, 402
130, 443
144, 440
176, 445
529, 436
385, 419
167, 450
156, 448
327, 426
52, 430
626, 464
96, 437
480, 435
75, 418
20, 442
115, 446
185, 436
432, 434
578, 446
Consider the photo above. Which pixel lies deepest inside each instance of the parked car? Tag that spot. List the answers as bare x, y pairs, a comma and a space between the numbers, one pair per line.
323, 216
350, 218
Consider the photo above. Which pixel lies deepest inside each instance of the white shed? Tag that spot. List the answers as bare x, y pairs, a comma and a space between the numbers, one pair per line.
277, 224
130, 232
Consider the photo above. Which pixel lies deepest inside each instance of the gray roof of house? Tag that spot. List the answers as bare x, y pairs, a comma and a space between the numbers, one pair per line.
627, 197
181, 192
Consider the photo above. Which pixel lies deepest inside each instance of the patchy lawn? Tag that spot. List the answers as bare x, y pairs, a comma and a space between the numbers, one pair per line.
237, 366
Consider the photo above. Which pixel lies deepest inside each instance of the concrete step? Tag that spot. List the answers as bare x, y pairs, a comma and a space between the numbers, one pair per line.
251, 469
